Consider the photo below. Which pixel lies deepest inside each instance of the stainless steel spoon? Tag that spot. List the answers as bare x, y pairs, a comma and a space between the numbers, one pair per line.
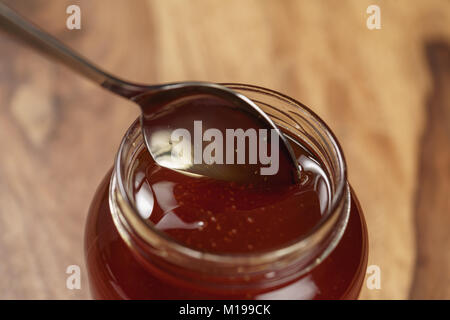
160, 100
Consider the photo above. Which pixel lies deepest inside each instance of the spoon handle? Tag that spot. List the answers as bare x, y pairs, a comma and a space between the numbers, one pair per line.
43, 42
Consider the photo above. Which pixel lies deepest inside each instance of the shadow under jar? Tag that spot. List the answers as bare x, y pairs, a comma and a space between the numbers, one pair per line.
129, 257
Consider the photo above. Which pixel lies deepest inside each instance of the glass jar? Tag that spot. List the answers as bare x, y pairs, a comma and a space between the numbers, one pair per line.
127, 258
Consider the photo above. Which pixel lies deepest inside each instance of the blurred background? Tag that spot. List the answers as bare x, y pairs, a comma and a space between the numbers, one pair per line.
385, 93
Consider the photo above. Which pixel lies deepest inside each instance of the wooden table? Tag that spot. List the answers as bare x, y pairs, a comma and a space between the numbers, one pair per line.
385, 93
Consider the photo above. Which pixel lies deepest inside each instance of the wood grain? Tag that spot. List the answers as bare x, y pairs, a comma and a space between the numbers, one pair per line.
432, 276
383, 92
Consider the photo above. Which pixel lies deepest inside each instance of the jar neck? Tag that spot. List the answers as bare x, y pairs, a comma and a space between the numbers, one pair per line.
161, 254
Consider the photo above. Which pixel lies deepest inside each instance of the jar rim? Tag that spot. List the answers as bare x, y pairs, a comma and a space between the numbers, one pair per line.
129, 220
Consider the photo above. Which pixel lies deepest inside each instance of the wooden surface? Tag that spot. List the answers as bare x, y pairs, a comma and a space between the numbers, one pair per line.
385, 93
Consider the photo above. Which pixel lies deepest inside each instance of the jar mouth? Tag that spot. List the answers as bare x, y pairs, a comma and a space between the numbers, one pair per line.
306, 251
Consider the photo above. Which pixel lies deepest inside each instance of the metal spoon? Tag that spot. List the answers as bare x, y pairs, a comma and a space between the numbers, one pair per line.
158, 102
